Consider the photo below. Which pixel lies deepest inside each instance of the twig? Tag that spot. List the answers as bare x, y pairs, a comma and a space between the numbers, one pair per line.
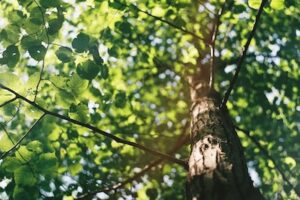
47, 47
214, 35
12, 141
182, 140
15, 114
9, 101
265, 152
97, 130
243, 56
164, 21
16, 146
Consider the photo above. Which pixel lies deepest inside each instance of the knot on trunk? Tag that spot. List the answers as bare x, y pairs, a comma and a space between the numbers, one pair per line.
205, 156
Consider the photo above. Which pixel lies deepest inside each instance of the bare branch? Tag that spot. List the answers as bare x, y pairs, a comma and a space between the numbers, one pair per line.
9, 101
163, 20
214, 35
266, 154
47, 47
182, 140
97, 130
243, 56
16, 146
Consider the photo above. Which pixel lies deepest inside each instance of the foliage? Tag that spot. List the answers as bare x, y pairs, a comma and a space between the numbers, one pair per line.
121, 66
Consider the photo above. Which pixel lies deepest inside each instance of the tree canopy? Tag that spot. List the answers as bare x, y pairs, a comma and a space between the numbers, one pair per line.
94, 98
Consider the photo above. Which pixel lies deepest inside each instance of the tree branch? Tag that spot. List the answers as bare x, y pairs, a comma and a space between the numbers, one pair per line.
16, 146
9, 101
163, 20
243, 56
182, 140
97, 130
214, 35
47, 47
266, 154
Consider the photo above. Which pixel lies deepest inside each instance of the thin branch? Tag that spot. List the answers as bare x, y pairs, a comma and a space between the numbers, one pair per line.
47, 47
16, 146
243, 56
266, 154
9, 101
214, 35
97, 130
12, 141
182, 140
15, 114
163, 20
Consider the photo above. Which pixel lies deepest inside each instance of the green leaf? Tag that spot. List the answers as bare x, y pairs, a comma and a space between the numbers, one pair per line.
152, 193
24, 176
81, 42
124, 27
49, 3
75, 168
47, 163
104, 71
179, 22
55, 25
36, 17
88, 70
120, 99
59, 81
11, 80
116, 5
64, 54
37, 52
77, 84
255, 4
35, 146
10, 56
10, 34
95, 53
23, 193
32, 82
24, 2
10, 164
5, 142
277, 4
29, 41
23, 154
290, 161
79, 112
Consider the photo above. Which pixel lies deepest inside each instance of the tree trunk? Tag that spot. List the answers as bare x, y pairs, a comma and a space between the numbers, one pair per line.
217, 168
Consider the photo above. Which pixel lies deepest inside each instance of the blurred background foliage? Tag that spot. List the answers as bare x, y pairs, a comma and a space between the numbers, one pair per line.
122, 66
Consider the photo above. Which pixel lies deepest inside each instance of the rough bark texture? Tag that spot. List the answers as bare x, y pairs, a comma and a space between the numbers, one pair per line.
217, 168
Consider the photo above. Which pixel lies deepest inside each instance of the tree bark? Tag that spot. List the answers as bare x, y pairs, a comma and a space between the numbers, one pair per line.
217, 167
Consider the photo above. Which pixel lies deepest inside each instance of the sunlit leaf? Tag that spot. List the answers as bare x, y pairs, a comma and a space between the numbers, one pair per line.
6, 143
254, 3
10, 164
23, 154
35, 146
290, 161
277, 4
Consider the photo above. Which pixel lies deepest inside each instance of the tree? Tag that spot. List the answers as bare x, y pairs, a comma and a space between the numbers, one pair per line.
102, 99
